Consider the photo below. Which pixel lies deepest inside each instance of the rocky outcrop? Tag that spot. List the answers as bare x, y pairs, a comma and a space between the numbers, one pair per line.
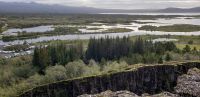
146, 79
128, 94
189, 84
112, 94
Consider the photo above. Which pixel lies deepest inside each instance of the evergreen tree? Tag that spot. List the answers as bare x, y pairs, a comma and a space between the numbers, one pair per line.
186, 49
170, 46
56, 54
194, 50
160, 61
139, 46
168, 57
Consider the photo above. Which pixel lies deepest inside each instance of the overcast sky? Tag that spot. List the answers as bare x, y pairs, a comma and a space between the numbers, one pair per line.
120, 4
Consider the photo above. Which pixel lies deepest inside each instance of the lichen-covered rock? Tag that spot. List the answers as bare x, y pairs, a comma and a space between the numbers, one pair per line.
189, 84
164, 94
112, 94
128, 94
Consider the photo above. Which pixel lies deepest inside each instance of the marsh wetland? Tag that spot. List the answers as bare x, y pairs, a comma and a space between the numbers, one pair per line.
36, 29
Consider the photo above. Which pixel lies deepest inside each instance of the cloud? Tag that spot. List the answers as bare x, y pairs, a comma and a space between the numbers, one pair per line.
119, 4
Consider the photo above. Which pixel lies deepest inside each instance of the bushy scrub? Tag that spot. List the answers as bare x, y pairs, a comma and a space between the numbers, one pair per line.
56, 73
2, 26
118, 30
114, 66
66, 30
75, 69
16, 48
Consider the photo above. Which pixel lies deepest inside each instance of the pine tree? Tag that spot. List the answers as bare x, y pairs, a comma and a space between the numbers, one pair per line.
168, 57
186, 49
160, 61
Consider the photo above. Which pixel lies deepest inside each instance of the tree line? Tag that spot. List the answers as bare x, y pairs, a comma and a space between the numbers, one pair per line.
116, 48
56, 54
140, 50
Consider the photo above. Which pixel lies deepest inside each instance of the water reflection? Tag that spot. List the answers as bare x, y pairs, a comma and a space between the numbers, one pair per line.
37, 29
134, 26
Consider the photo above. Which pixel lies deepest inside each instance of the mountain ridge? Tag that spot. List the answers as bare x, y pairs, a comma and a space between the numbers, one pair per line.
17, 7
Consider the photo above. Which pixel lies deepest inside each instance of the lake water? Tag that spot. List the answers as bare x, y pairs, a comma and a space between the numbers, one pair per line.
134, 26
37, 29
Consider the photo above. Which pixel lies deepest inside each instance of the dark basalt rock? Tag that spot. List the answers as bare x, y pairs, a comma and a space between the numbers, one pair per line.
146, 79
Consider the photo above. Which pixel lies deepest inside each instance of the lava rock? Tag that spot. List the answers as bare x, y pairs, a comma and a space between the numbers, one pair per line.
128, 94
189, 84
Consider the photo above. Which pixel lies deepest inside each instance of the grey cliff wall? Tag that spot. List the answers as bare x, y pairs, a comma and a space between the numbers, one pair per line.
148, 79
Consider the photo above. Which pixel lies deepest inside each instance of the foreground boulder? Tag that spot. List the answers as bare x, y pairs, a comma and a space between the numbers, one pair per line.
128, 94
189, 84
112, 94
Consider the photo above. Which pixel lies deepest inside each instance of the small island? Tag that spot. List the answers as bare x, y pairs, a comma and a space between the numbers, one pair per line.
172, 28
118, 30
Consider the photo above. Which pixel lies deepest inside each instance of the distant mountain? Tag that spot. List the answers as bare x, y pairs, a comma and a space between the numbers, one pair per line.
181, 10
6, 7
14, 7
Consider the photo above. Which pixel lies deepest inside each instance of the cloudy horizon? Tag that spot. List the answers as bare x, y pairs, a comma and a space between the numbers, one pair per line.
119, 4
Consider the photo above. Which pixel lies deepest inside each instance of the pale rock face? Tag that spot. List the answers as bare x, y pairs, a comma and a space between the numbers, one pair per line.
189, 84
112, 94
164, 94
128, 94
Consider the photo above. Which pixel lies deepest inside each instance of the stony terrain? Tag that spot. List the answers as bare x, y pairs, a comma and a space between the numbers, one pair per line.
128, 94
189, 84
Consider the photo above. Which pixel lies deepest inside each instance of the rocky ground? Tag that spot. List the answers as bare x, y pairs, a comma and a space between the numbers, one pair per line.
128, 94
188, 85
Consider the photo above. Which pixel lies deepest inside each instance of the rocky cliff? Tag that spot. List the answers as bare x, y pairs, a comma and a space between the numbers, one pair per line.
146, 79
189, 84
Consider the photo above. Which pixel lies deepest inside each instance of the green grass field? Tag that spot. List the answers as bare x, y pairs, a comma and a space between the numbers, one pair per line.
181, 46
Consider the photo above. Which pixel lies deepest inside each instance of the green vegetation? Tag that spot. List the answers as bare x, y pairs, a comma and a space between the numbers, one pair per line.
20, 37
56, 54
172, 28
138, 22
118, 30
94, 28
24, 20
17, 75
66, 30
67, 60
16, 48
139, 51
57, 31
181, 46
1, 27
